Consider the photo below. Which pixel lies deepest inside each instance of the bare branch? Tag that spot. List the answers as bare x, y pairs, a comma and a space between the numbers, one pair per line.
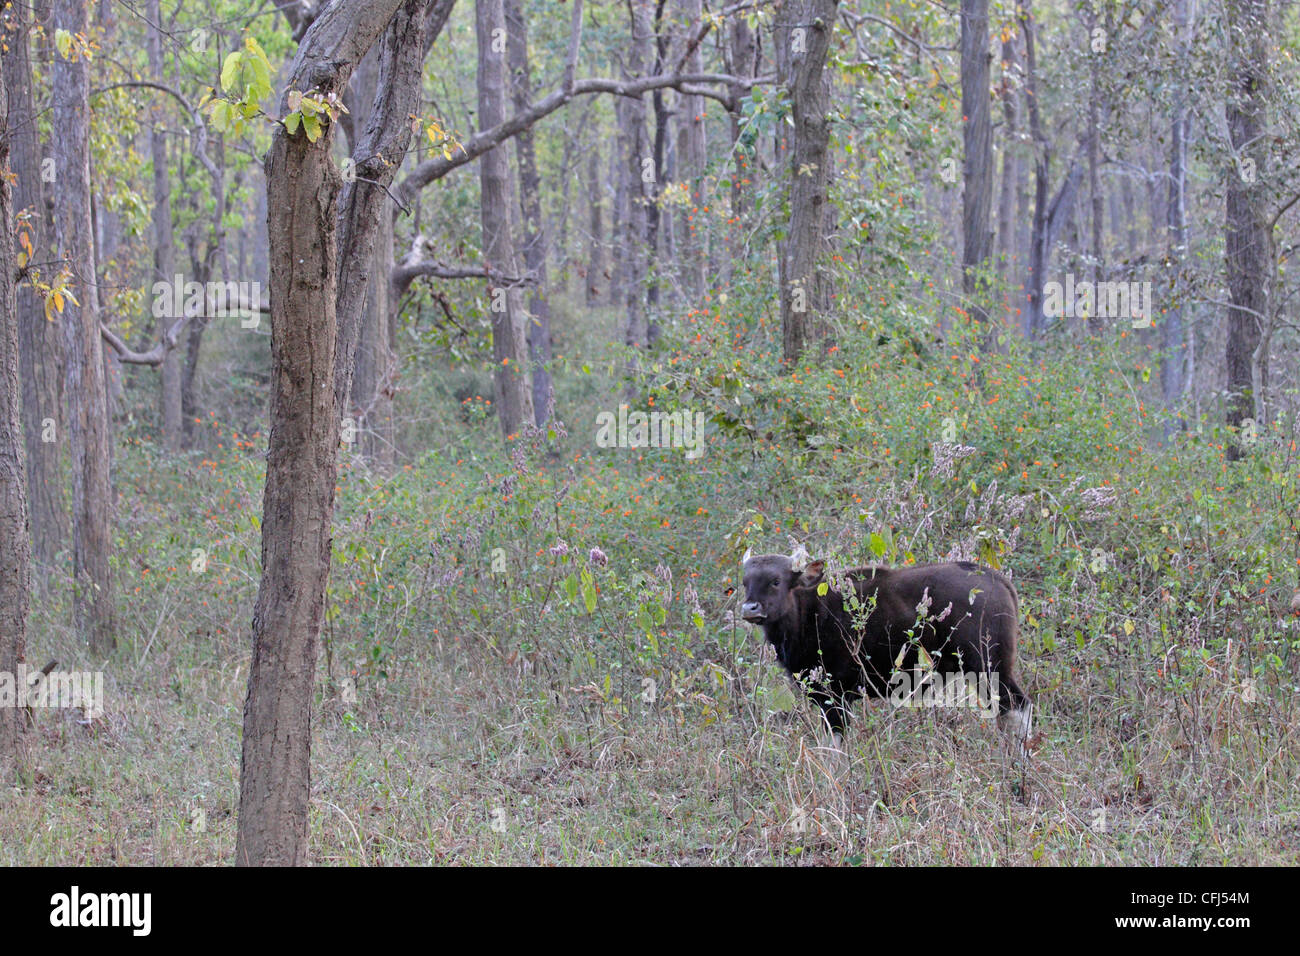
488, 139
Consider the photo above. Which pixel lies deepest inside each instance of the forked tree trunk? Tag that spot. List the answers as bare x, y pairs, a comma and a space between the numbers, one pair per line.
513, 391
1049, 215
92, 492
15, 546
375, 367
40, 352
303, 185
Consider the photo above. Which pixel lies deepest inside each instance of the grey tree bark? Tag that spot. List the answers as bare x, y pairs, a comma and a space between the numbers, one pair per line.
596, 225
163, 242
40, 351
15, 545
638, 174
741, 52
512, 383
92, 492
802, 38
1247, 238
1049, 215
692, 159
977, 169
1008, 193
387, 94
538, 315
1173, 358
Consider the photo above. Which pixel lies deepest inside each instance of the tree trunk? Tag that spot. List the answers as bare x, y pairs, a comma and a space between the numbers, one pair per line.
1049, 215
596, 201
375, 366
15, 546
802, 47
619, 220
538, 317
977, 169
741, 50
387, 94
513, 393
306, 400
1247, 239
1094, 163
40, 352
1173, 345
211, 265
1007, 196
164, 250
638, 172
662, 172
92, 491
692, 159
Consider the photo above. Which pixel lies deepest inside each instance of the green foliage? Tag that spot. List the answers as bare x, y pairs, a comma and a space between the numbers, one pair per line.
245, 82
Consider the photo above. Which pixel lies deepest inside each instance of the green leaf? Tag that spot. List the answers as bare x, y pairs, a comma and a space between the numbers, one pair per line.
311, 126
589, 591
63, 42
230, 70
260, 68
221, 116
877, 545
291, 123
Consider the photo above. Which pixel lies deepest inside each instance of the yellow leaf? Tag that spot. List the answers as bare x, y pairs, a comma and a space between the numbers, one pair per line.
49, 310
1128, 627
58, 302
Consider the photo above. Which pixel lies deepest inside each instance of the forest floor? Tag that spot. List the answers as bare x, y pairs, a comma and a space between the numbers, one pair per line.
491, 692
468, 757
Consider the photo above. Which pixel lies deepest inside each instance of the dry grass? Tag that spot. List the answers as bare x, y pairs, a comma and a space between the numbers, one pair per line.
463, 756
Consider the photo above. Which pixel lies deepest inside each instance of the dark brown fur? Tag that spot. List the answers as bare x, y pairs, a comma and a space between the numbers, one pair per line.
817, 642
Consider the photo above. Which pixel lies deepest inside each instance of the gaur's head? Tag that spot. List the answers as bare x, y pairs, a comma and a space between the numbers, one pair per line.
769, 579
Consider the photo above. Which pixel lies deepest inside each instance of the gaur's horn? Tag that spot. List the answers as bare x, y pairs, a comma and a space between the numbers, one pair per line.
749, 553
799, 558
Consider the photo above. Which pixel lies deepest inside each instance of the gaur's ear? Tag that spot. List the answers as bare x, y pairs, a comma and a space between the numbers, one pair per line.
812, 574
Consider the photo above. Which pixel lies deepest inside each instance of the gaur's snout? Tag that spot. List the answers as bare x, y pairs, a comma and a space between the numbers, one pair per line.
752, 611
